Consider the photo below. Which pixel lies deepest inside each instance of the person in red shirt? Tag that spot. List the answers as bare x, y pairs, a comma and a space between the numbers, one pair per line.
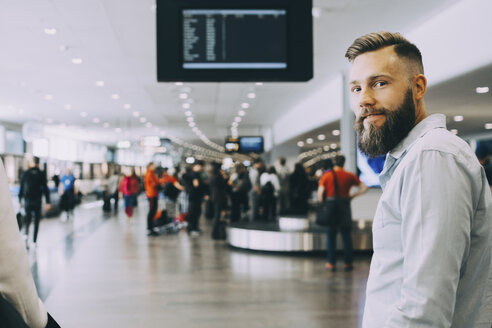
129, 187
152, 185
326, 188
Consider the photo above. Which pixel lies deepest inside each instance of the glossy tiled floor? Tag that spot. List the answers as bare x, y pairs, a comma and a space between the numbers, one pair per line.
105, 272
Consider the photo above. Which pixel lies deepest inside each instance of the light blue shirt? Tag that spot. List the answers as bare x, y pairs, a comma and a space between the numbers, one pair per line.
431, 235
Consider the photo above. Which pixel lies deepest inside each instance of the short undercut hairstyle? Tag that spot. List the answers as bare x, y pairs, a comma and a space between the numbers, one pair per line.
377, 40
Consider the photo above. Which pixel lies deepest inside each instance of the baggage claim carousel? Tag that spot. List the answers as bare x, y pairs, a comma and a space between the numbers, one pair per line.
293, 234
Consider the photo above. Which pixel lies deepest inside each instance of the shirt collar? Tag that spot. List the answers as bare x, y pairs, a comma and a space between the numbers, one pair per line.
431, 122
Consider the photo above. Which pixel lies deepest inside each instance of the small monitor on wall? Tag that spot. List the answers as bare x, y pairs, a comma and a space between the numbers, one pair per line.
234, 40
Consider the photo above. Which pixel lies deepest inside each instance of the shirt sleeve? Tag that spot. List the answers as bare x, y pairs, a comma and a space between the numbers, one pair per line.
436, 209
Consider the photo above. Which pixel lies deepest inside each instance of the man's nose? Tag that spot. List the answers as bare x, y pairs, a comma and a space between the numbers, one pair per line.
367, 98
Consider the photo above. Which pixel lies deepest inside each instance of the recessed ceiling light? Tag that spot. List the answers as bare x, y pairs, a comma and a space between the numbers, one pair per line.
115, 96
136, 114
188, 113
190, 119
235, 124
50, 31
83, 114
77, 61
251, 95
300, 143
326, 148
482, 89
96, 120
335, 132
183, 95
333, 146
178, 83
148, 124
458, 118
309, 140
316, 12
68, 107
453, 131
186, 105
321, 137
488, 126
192, 124
259, 83
241, 113
127, 106
237, 119
143, 120
99, 83
244, 105
48, 97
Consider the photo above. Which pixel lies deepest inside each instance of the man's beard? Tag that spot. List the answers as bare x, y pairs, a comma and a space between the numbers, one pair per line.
376, 141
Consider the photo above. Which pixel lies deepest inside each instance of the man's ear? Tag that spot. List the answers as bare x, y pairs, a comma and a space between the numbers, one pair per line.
419, 86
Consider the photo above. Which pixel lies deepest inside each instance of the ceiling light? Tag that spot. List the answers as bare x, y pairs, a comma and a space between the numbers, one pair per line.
241, 113
234, 124
259, 83
117, 130
251, 95
115, 96
453, 131
148, 124
96, 120
316, 12
127, 106
309, 140
106, 125
143, 120
48, 97
77, 61
188, 113
326, 148
300, 143
237, 119
195, 129
190, 119
321, 137
99, 83
83, 114
333, 146
458, 118
183, 95
68, 107
50, 31
482, 89
192, 124
136, 114
123, 144
178, 83
488, 126
186, 105
244, 105
335, 132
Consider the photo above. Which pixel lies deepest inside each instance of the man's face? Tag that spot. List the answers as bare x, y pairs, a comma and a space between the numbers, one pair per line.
382, 100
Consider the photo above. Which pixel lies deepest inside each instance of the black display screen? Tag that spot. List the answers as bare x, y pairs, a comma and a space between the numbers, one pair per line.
234, 39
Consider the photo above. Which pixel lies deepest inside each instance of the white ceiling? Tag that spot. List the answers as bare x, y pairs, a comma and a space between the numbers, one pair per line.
116, 41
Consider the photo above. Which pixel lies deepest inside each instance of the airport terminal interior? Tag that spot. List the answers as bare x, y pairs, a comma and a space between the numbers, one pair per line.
98, 89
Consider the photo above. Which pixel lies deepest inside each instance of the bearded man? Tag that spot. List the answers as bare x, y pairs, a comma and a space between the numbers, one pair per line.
432, 228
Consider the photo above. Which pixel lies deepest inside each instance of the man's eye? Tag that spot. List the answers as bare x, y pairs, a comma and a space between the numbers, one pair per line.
380, 83
355, 90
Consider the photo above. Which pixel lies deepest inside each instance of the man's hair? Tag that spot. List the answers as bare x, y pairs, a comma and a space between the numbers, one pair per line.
377, 40
340, 160
35, 160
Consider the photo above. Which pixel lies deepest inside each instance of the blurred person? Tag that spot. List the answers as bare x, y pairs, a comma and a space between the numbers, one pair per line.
341, 181
270, 188
283, 178
171, 189
299, 190
152, 186
20, 305
432, 228
129, 187
219, 192
487, 165
33, 186
68, 193
113, 192
255, 192
241, 186
186, 181
196, 196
